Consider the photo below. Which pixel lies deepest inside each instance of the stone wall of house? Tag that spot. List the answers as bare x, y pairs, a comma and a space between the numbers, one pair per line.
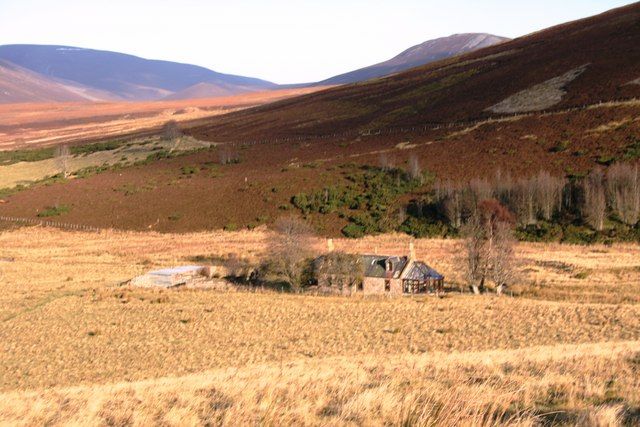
375, 286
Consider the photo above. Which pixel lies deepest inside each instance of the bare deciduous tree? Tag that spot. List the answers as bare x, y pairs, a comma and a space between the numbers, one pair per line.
415, 171
387, 162
480, 189
227, 156
623, 189
171, 130
475, 259
548, 193
62, 154
524, 201
290, 249
594, 207
503, 262
450, 202
488, 246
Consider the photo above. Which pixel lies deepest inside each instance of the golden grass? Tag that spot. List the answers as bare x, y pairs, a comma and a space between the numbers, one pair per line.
279, 359
589, 384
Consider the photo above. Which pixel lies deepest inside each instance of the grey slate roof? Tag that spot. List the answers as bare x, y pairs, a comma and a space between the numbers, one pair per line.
421, 271
374, 265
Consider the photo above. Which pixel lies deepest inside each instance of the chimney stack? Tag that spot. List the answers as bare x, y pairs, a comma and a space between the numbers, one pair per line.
412, 251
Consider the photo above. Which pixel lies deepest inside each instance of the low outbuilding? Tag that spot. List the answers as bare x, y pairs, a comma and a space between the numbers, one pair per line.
172, 277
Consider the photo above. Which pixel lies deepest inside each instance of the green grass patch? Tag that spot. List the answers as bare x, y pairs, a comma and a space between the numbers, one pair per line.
96, 147
632, 152
15, 156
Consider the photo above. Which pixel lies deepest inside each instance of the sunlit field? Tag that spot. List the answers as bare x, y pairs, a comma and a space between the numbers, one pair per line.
72, 332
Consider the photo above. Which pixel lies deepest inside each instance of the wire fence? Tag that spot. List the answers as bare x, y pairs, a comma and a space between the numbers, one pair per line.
47, 223
434, 126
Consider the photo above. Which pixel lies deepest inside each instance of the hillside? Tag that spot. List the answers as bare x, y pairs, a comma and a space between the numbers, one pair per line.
265, 156
422, 54
19, 85
582, 62
123, 76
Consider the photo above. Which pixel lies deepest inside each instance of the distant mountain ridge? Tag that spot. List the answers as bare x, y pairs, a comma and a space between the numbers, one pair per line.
422, 54
56, 73
17, 84
122, 76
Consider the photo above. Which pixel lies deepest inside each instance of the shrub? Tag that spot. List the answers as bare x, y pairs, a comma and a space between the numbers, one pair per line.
189, 170
371, 191
540, 232
353, 231
561, 146
632, 151
421, 228
15, 156
53, 211
579, 235
97, 147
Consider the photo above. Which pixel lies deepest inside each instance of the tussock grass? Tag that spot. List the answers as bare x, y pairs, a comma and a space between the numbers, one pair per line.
590, 384
77, 348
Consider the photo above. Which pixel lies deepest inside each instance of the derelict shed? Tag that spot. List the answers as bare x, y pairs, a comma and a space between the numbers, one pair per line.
170, 277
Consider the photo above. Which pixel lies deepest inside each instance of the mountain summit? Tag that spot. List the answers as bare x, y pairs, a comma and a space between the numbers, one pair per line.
424, 53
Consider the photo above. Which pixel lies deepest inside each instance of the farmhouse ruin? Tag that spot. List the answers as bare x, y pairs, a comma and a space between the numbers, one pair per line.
386, 275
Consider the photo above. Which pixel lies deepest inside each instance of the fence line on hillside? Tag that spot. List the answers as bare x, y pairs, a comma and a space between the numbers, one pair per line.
432, 126
47, 223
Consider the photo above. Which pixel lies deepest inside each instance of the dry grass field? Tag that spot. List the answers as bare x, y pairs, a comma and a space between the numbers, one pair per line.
78, 348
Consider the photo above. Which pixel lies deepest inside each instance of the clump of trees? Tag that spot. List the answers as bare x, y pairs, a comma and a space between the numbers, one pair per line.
530, 199
603, 204
489, 242
623, 191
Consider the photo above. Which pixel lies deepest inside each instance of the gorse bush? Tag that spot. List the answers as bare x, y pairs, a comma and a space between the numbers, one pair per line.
371, 195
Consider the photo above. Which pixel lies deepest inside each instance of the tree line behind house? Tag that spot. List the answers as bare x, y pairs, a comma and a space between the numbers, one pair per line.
601, 206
